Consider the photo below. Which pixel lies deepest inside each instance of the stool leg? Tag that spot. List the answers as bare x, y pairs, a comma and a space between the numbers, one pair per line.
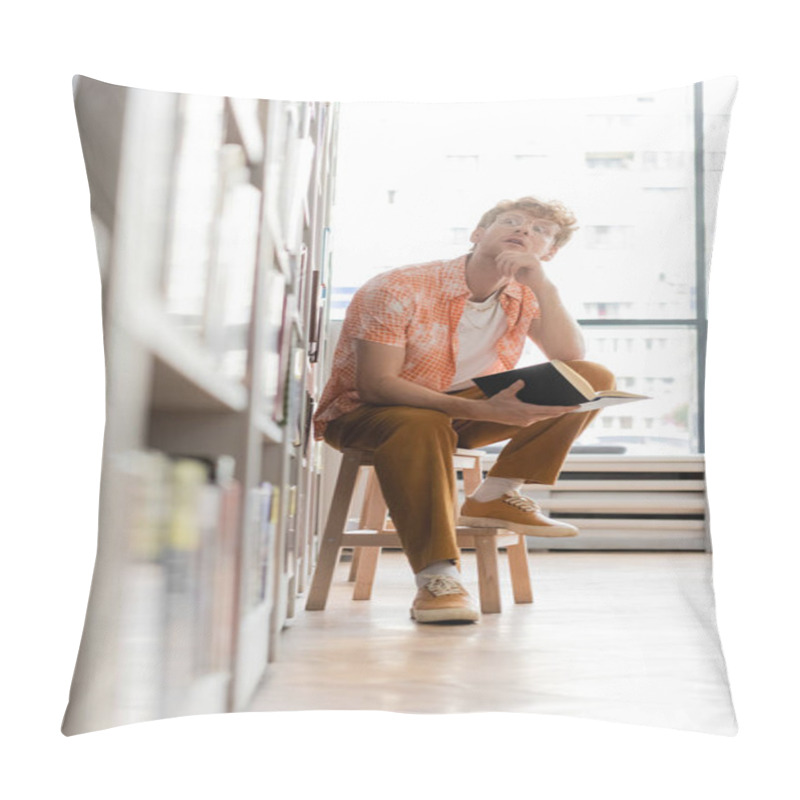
520, 572
332, 537
373, 518
366, 511
351, 576
472, 476
488, 577
365, 576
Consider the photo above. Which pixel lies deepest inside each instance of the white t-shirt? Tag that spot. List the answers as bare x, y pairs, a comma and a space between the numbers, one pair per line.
481, 326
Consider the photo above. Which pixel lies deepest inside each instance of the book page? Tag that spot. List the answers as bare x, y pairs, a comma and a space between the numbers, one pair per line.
608, 400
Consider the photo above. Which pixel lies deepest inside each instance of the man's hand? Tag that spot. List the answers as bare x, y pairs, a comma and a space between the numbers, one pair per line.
506, 408
525, 268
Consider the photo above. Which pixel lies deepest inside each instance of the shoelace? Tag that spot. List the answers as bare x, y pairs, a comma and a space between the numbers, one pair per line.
518, 501
443, 584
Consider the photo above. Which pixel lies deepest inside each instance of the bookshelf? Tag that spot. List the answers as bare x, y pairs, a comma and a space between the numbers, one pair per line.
212, 222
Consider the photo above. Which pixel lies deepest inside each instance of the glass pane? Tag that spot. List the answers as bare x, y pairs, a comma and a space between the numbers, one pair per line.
660, 362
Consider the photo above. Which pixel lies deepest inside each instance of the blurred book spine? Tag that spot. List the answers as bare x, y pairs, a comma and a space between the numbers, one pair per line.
294, 404
181, 559
229, 298
181, 516
276, 340
261, 543
294, 189
225, 608
194, 208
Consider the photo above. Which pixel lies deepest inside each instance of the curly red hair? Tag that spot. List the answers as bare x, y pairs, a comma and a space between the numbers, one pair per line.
552, 210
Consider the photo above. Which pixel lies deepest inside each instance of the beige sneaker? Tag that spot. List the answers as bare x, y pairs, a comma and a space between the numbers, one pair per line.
444, 599
513, 512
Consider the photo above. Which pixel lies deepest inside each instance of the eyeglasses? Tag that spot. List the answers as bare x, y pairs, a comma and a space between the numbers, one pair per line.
518, 221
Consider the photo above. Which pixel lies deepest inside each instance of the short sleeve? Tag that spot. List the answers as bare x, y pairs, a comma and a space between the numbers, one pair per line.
381, 311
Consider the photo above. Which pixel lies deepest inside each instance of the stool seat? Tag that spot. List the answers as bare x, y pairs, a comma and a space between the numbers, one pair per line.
375, 531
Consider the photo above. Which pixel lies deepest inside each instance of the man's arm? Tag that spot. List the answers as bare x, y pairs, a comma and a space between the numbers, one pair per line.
378, 382
555, 332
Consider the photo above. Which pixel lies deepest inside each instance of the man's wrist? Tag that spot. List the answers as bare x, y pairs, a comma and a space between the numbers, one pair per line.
462, 407
543, 288
473, 408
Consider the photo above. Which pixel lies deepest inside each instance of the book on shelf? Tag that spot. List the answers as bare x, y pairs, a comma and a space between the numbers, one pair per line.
274, 343
290, 533
268, 525
245, 126
323, 280
553, 383
295, 180
225, 605
180, 577
229, 298
287, 337
258, 545
314, 315
301, 280
142, 514
181, 560
193, 212
307, 423
294, 391
216, 511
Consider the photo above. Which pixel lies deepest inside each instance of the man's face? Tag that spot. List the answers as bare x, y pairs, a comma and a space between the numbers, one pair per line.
517, 231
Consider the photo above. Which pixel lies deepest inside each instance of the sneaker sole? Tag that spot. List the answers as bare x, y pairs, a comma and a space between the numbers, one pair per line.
518, 527
446, 615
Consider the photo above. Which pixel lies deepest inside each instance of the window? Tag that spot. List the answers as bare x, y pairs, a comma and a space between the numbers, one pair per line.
664, 160
608, 236
462, 164
667, 374
614, 309
604, 161
613, 121
636, 284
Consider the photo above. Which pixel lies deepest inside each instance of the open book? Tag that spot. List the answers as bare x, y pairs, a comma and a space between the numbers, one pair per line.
553, 383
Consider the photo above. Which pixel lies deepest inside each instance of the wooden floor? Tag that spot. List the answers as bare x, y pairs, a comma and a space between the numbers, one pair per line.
625, 637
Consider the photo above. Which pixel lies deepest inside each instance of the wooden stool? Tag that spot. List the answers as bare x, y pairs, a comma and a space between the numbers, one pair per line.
375, 532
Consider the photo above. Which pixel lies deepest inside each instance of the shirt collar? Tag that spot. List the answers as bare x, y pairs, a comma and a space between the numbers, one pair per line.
454, 281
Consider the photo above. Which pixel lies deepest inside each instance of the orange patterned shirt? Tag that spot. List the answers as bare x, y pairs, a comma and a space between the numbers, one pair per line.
417, 307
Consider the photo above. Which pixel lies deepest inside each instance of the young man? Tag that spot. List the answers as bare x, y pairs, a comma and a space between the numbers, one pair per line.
412, 339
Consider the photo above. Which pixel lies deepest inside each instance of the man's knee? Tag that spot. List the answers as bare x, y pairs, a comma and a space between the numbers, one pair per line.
424, 423
601, 378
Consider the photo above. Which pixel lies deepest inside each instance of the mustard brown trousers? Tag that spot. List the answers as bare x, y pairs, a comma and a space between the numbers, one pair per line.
413, 457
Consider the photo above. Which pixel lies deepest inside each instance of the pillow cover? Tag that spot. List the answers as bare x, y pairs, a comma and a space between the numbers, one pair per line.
214, 220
